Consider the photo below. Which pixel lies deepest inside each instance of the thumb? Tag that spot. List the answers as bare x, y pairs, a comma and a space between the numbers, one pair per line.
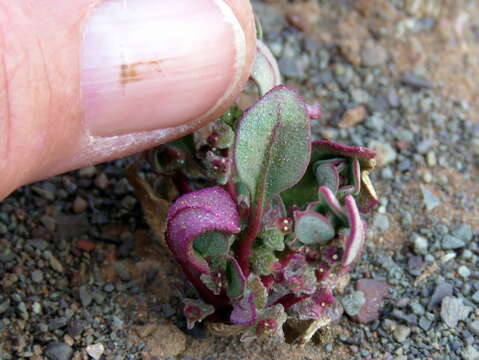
87, 81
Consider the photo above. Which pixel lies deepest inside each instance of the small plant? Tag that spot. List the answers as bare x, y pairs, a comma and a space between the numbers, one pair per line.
268, 226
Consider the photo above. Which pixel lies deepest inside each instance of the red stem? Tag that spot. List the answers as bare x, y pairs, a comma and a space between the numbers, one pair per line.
289, 300
245, 247
231, 188
181, 182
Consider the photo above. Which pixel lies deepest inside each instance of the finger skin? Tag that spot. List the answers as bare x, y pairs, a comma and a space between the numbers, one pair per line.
42, 127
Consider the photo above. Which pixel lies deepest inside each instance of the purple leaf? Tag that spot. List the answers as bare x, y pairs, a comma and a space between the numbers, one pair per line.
323, 149
323, 271
244, 311
331, 254
195, 214
356, 175
355, 240
314, 111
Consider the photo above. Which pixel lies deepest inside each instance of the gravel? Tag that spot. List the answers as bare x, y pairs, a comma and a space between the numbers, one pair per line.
453, 310
450, 242
353, 302
58, 351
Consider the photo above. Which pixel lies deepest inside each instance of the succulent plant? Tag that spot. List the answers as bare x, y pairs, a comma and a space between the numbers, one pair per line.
268, 225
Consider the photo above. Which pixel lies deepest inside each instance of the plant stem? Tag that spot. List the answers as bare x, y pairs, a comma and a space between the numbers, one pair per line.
181, 182
244, 249
231, 188
289, 300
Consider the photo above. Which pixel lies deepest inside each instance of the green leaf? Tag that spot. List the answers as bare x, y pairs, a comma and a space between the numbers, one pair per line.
311, 227
273, 144
263, 260
303, 192
327, 175
256, 286
212, 243
265, 71
273, 239
236, 279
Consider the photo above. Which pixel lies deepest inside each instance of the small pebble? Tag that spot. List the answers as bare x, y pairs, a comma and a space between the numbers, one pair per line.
101, 181
431, 201
37, 276
87, 172
470, 353
353, 117
58, 351
475, 297
95, 351
464, 271
416, 81
401, 333
85, 245
373, 54
453, 310
442, 290
420, 244
431, 159
463, 232
425, 323
37, 308
353, 302
474, 327
381, 222
452, 243
55, 264
86, 296
385, 152
79, 205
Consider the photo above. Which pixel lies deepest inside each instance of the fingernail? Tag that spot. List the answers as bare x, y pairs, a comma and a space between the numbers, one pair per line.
150, 64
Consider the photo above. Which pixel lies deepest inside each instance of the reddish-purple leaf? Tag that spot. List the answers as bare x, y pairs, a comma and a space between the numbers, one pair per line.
355, 240
195, 214
356, 175
196, 310
323, 149
314, 111
332, 202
